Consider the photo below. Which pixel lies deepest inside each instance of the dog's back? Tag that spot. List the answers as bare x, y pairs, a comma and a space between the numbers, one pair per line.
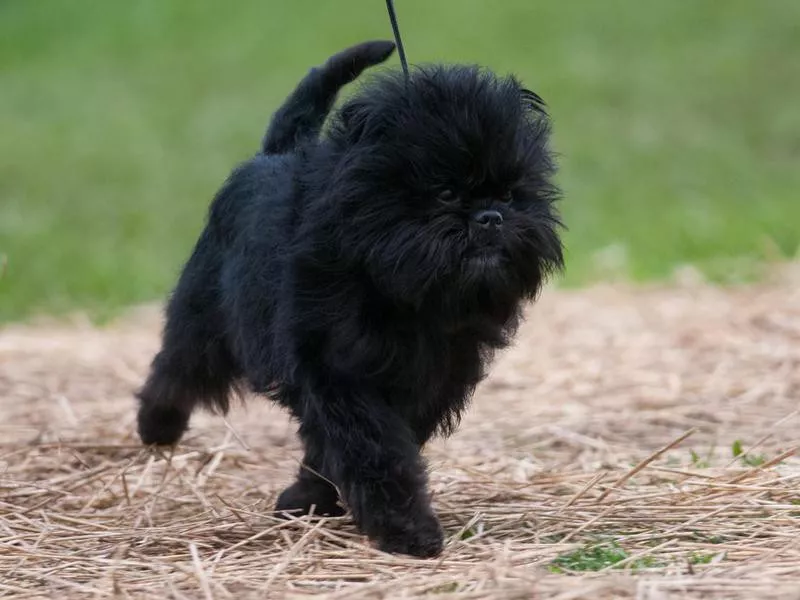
258, 194
200, 359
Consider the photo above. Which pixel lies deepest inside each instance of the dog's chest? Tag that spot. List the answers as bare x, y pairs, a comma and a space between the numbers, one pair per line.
429, 363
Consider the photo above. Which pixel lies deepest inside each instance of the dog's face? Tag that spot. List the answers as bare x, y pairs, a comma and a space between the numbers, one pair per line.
444, 187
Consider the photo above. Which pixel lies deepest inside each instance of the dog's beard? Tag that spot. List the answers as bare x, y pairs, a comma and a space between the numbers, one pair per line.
438, 262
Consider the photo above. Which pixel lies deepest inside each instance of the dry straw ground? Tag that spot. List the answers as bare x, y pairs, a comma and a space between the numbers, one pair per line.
555, 487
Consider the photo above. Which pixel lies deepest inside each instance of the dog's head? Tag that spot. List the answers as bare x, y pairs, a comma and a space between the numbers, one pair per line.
443, 187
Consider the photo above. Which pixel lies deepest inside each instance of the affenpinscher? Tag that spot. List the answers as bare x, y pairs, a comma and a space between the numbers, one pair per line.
362, 277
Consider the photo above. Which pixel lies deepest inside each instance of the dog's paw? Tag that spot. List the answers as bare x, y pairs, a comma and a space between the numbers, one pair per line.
163, 426
417, 535
299, 498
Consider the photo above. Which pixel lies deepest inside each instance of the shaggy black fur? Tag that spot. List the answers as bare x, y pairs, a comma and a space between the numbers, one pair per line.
364, 277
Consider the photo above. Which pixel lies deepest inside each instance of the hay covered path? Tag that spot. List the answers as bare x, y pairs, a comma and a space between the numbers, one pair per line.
598, 461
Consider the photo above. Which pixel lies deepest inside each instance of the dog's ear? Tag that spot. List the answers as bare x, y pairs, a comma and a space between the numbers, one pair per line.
533, 101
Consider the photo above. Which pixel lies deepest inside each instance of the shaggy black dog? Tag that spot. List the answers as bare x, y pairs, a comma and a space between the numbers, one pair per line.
363, 278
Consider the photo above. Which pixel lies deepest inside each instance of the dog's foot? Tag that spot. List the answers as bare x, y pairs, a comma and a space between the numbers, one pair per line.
299, 498
417, 535
162, 425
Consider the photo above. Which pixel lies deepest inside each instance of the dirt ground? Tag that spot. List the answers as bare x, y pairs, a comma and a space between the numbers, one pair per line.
554, 487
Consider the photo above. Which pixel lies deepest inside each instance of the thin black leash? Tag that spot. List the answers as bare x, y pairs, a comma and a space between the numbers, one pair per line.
397, 38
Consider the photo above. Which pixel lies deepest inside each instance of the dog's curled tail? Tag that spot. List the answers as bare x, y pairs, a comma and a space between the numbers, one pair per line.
302, 115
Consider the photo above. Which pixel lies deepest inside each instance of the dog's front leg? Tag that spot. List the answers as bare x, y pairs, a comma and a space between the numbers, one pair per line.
371, 455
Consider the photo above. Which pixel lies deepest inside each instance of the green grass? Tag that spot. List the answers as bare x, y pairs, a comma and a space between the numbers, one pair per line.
599, 556
595, 557
751, 460
698, 558
701, 462
677, 123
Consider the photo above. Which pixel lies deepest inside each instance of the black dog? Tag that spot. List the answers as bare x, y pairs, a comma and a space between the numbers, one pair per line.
364, 277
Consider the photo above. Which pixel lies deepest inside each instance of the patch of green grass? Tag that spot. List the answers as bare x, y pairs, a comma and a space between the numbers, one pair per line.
591, 557
445, 588
598, 556
698, 461
795, 502
754, 460
676, 123
736, 448
751, 460
699, 558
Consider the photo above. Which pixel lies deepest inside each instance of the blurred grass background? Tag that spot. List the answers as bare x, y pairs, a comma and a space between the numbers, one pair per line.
678, 123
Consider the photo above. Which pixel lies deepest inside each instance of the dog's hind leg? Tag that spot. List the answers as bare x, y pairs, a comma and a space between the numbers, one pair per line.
194, 365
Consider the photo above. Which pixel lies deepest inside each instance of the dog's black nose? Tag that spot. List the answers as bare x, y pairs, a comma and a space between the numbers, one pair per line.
488, 218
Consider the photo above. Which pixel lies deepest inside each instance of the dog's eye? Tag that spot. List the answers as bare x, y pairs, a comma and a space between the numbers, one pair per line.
448, 198
507, 198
